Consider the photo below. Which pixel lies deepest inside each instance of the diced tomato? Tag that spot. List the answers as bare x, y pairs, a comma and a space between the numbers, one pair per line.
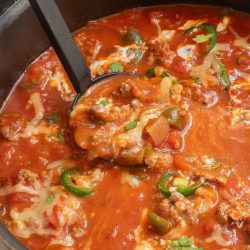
157, 132
174, 140
20, 199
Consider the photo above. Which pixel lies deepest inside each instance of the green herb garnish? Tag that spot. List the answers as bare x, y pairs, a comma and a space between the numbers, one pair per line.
104, 103
184, 243
116, 67
52, 118
130, 125
197, 80
61, 138
150, 73
164, 74
50, 199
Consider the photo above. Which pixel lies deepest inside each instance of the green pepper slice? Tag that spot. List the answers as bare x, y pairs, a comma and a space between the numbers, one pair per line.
211, 30
184, 190
70, 186
160, 224
213, 39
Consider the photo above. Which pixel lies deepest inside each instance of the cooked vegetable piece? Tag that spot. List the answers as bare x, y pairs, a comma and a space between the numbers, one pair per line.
160, 224
158, 131
70, 186
162, 183
52, 118
133, 36
175, 116
130, 125
116, 67
180, 182
223, 74
184, 190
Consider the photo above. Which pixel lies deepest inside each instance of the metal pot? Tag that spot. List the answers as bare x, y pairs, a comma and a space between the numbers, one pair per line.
22, 40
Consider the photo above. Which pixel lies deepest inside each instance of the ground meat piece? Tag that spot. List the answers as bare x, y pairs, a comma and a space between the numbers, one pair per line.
178, 209
11, 125
237, 210
26, 177
158, 160
109, 114
158, 52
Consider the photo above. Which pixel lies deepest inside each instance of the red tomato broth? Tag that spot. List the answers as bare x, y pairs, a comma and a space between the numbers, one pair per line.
115, 209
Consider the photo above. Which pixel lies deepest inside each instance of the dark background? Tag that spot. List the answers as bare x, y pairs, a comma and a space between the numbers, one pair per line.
5, 4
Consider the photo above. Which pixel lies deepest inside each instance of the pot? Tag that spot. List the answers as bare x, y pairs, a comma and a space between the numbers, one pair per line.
22, 40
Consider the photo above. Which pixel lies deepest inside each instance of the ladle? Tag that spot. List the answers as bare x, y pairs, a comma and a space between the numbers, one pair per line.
65, 47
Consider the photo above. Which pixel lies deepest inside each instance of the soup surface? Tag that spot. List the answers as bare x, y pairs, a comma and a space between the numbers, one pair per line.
163, 158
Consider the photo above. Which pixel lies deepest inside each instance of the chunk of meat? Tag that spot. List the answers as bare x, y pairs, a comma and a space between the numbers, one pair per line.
26, 177
157, 160
158, 51
236, 210
11, 125
178, 209
198, 92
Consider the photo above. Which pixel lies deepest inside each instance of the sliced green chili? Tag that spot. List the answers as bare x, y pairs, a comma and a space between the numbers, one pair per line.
70, 186
160, 224
212, 35
213, 39
184, 190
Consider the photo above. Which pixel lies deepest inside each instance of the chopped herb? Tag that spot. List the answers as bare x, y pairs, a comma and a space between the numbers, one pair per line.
104, 103
202, 38
164, 74
197, 80
130, 125
150, 73
223, 74
61, 138
184, 243
50, 199
52, 118
116, 67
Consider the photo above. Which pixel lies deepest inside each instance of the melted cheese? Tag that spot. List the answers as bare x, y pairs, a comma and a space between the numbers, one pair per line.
186, 52
37, 218
223, 24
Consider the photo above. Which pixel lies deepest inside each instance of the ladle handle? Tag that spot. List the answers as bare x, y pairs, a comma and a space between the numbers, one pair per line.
62, 41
